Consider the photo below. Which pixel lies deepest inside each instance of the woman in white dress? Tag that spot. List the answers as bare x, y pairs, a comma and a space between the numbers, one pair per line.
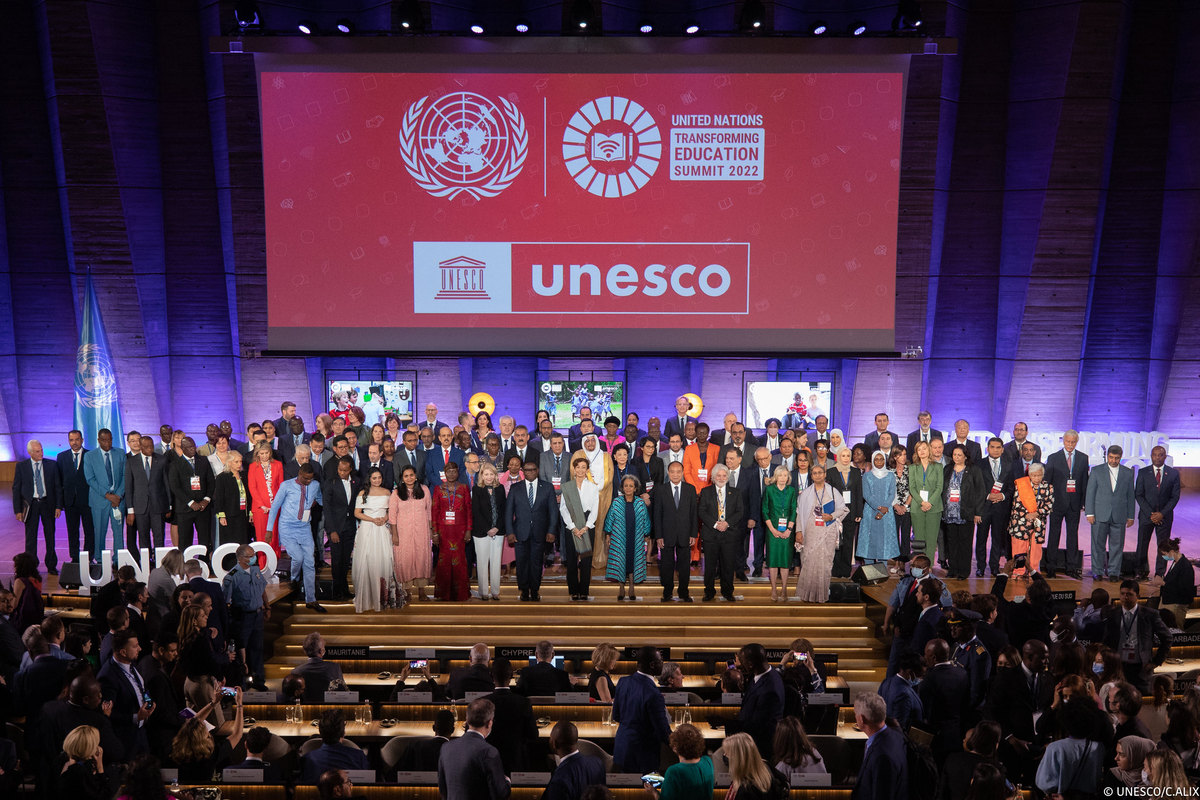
371, 563
819, 514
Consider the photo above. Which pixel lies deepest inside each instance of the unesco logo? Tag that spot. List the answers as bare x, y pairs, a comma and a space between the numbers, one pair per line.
612, 147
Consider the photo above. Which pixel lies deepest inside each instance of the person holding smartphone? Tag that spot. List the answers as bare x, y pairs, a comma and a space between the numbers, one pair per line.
83, 776
692, 777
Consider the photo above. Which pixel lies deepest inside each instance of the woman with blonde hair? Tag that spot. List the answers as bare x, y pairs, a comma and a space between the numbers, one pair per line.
600, 684
83, 776
750, 777
487, 530
197, 754
779, 517
162, 582
1164, 770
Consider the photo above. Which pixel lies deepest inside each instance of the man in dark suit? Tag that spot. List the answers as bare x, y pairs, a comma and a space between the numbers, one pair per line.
1156, 490
738, 440
431, 420
762, 698
11, 647
521, 447
675, 511
1067, 472
997, 506
256, 740
677, 423
155, 669
871, 441
287, 413
373, 460
945, 695
316, 671
1014, 697
340, 525
335, 752
423, 756
925, 432
530, 521
1020, 437
75, 495
123, 686
82, 706
1020, 466
514, 732
575, 433
884, 771
721, 515
475, 677
641, 715
962, 433
191, 481
469, 766
437, 458
743, 476
575, 771
929, 594
38, 498
147, 498
542, 678
725, 434
1139, 635
409, 454
290, 438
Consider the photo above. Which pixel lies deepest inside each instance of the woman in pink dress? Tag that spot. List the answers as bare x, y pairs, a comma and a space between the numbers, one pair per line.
409, 517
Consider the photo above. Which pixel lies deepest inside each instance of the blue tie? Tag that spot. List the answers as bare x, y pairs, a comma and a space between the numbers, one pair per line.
108, 468
38, 490
530, 485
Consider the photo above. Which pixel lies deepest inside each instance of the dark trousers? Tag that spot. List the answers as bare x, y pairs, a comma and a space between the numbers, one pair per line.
318, 532
77, 515
147, 531
843, 557
720, 555
996, 524
904, 531
958, 545
41, 511
1146, 531
675, 561
759, 537
529, 564
190, 521
579, 566
1135, 673
1071, 557
248, 633
339, 556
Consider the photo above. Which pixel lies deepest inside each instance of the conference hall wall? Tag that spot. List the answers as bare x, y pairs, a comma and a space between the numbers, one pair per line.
1045, 261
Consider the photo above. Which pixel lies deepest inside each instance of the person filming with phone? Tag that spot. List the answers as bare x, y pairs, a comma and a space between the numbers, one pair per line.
800, 656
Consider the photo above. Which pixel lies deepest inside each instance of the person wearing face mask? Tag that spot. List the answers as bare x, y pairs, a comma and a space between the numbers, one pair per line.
1131, 759
904, 608
899, 691
1179, 583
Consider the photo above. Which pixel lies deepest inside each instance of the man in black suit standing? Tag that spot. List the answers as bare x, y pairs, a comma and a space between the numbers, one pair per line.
287, 413
945, 695
191, 489
38, 497
75, 496
409, 454
468, 765
530, 521
884, 771
375, 460
338, 495
678, 423
738, 440
997, 479
514, 732
1139, 635
1156, 490
1015, 696
1067, 472
290, 438
522, 448
123, 686
147, 497
721, 514
925, 432
1020, 437
676, 522
872, 439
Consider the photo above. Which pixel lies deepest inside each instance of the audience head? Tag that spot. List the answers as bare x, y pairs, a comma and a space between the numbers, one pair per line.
671, 676
564, 737
192, 568
1164, 769
792, 745
937, 651
604, 657
1033, 654
117, 618
314, 645
983, 739
334, 784
479, 653
753, 659
143, 779
502, 671
988, 783
687, 742
480, 714
746, 766
443, 723
82, 743
257, 740
870, 712
293, 686
649, 660
1129, 594
544, 651
85, 691
35, 643
193, 743
332, 726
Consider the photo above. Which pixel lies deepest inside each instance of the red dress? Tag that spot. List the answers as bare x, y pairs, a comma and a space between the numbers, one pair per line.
262, 494
451, 575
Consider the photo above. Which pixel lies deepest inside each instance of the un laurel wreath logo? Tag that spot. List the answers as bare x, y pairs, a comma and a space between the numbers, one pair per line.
464, 142
95, 378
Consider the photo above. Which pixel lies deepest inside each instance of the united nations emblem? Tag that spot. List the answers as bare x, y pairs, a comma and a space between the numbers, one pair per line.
95, 378
464, 142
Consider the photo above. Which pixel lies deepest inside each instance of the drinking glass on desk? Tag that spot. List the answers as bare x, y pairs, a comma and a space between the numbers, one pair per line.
606, 717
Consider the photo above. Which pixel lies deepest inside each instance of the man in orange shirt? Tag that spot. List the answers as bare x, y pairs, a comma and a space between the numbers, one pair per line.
699, 458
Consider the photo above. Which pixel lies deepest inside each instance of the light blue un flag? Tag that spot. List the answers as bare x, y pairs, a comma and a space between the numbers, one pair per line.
96, 401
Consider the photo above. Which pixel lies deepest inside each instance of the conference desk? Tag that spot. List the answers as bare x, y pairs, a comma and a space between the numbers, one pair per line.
231, 791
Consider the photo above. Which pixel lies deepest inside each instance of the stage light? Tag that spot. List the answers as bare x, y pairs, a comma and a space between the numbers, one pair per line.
246, 15
857, 28
345, 26
692, 28
307, 27
522, 26
908, 16
752, 16
476, 28
646, 27
407, 13
582, 14
818, 28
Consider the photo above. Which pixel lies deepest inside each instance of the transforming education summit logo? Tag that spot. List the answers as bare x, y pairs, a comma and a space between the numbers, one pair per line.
612, 147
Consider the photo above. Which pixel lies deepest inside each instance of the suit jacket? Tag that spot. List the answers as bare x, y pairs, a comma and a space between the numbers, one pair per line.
1151, 497
386, 470
641, 715
338, 516
73, 481
401, 460
542, 680
531, 451
691, 464
1153, 637
574, 773
60, 717
1014, 452
665, 455
751, 492
116, 687
470, 769
474, 678
762, 708
854, 486
286, 445
708, 512
437, 426
52, 490
884, 772
97, 477
972, 493
915, 437
974, 451
531, 523
999, 511
926, 629
514, 731
871, 442
1179, 584
11, 649
318, 674
165, 721
1012, 703
435, 464
675, 526
332, 756
180, 478
147, 494
945, 695
38, 684
546, 467
1057, 474
1017, 469
671, 426
1105, 504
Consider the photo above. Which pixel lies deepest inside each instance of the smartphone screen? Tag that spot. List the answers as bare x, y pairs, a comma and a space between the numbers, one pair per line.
419, 664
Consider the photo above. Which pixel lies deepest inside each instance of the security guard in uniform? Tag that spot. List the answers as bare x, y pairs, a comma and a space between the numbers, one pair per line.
971, 655
246, 593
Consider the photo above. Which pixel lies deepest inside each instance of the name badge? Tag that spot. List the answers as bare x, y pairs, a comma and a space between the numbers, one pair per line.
450, 516
924, 495
820, 522
997, 487
304, 515
556, 483
116, 513
954, 495
846, 497
1070, 485
782, 522
442, 475
241, 504
195, 483
649, 485
702, 475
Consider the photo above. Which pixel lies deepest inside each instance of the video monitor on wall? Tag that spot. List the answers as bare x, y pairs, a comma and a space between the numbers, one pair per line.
796, 404
564, 400
375, 397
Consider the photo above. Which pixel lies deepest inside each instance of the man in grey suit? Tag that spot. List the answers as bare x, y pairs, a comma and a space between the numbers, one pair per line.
556, 463
148, 497
1110, 510
469, 768
674, 453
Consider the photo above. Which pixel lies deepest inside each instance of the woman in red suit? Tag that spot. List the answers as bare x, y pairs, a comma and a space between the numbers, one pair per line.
451, 530
264, 477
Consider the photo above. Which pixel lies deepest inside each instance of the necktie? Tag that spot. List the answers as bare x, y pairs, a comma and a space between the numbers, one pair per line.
38, 490
445, 457
76, 459
412, 459
1026, 467
297, 440
1070, 458
529, 485
1158, 477
676, 495
733, 479
763, 477
557, 465
995, 469
146, 463
137, 679
303, 501
108, 467
925, 437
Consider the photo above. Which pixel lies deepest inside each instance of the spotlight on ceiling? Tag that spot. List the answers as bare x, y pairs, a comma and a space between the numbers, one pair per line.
692, 28
476, 28
407, 14
307, 27
522, 26
908, 16
753, 15
646, 27
857, 28
818, 28
583, 15
246, 16
344, 26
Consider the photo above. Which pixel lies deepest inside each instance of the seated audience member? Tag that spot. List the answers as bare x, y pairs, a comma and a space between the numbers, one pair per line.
198, 752
1131, 759
83, 776
671, 677
292, 688
55, 633
335, 784
423, 756
600, 684
900, 693
1091, 615
1072, 765
143, 780
335, 751
979, 747
751, 778
543, 679
575, 771
469, 767
1182, 735
257, 739
988, 783
316, 671
1126, 702
475, 677
514, 731
693, 775
802, 655
1166, 772
884, 771
794, 753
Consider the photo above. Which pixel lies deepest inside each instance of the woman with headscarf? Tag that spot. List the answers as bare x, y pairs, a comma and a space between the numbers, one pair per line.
836, 440
1131, 760
843, 477
600, 471
877, 532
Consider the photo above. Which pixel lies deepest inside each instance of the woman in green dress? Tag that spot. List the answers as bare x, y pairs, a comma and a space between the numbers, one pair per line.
779, 517
925, 478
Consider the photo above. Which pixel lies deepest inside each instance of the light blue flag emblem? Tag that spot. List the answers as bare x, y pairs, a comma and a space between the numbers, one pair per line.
97, 403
